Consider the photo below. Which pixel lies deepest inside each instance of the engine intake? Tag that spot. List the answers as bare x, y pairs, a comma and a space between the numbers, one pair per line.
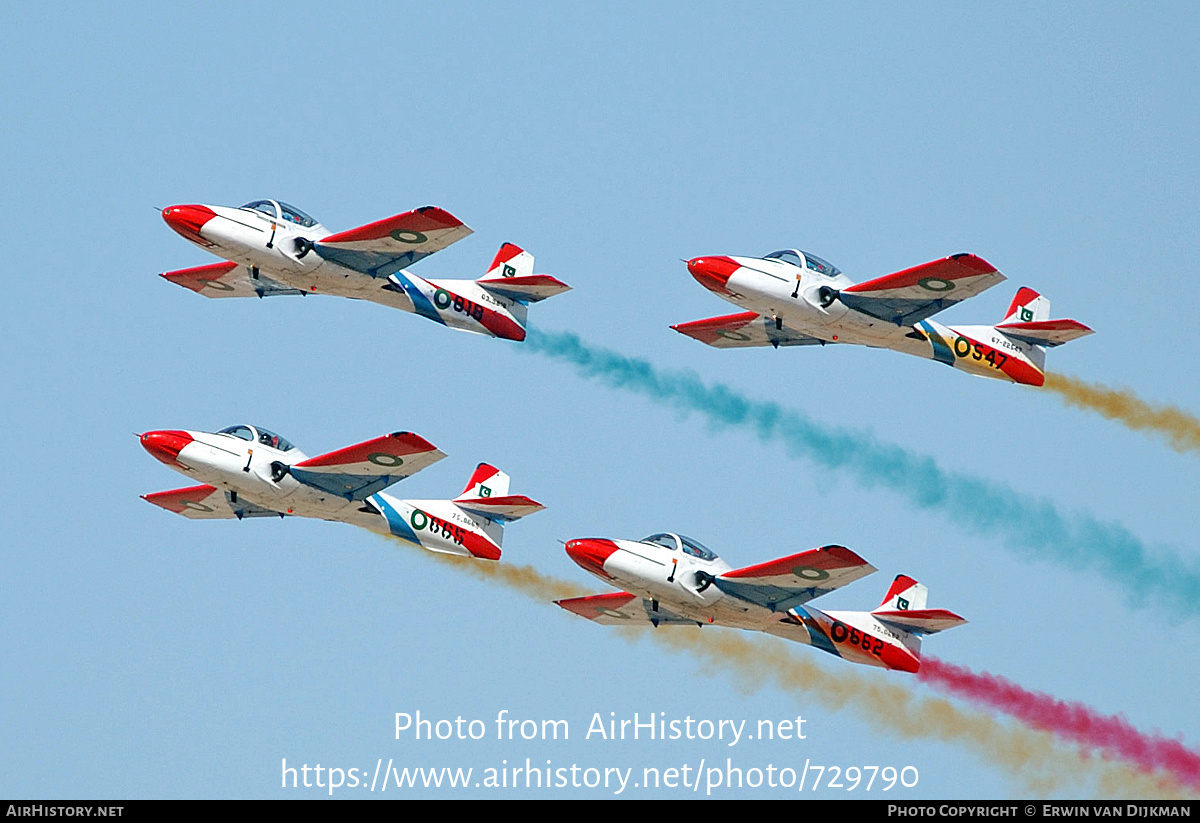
826, 296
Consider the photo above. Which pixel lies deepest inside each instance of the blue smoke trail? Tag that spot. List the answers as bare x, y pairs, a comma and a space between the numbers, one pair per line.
1032, 526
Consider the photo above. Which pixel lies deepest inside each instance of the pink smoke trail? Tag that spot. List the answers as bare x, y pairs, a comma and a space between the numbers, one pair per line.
1072, 721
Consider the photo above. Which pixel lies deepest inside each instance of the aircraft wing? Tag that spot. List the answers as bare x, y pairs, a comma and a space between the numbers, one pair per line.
792, 581
386, 246
357, 472
744, 329
207, 503
910, 296
621, 609
227, 280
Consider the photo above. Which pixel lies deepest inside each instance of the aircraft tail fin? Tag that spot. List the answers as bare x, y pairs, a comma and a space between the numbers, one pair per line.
486, 481
486, 501
904, 593
511, 275
903, 607
1028, 320
1027, 306
510, 261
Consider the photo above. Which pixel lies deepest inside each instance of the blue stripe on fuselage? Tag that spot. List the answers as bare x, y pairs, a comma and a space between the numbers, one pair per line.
818, 638
397, 524
421, 303
941, 352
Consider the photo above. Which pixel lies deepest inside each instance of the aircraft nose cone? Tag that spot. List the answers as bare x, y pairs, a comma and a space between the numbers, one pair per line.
165, 445
590, 553
188, 220
712, 272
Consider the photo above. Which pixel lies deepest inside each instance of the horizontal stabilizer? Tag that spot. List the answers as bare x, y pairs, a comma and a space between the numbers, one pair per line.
910, 296
743, 330
921, 621
1048, 333
501, 509
487, 495
207, 503
228, 280
386, 246
511, 275
530, 289
356, 472
621, 609
904, 608
796, 579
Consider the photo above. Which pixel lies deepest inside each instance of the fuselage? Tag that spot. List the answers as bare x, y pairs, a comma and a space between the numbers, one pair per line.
252, 464
676, 574
803, 296
275, 242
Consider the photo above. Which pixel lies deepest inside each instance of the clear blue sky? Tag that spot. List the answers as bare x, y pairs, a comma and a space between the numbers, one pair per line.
148, 656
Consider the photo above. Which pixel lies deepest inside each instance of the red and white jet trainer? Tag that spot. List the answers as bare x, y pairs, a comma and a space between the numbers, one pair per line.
247, 471
673, 580
273, 248
797, 299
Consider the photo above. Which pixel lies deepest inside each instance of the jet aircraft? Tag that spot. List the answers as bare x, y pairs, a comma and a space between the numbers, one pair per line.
795, 298
248, 471
272, 248
674, 580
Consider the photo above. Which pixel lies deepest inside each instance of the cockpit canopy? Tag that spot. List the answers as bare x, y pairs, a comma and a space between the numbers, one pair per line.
677, 542
805, 260
256, 434
279, 210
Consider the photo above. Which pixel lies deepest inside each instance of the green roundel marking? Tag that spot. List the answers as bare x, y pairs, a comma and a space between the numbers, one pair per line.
408, 236
935, 284
733, 335
838, 631
385, 459
966, 346
442, 299
809, 573
217, 284
200, 507
413, 519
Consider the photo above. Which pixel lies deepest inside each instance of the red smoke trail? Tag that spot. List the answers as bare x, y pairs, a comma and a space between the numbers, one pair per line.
1071, 721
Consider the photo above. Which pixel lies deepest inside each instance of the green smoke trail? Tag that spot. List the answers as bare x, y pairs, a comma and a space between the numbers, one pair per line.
1034, 527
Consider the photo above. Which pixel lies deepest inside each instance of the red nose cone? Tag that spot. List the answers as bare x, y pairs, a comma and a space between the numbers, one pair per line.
590, 553
713, 272
187, 220
166, 445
